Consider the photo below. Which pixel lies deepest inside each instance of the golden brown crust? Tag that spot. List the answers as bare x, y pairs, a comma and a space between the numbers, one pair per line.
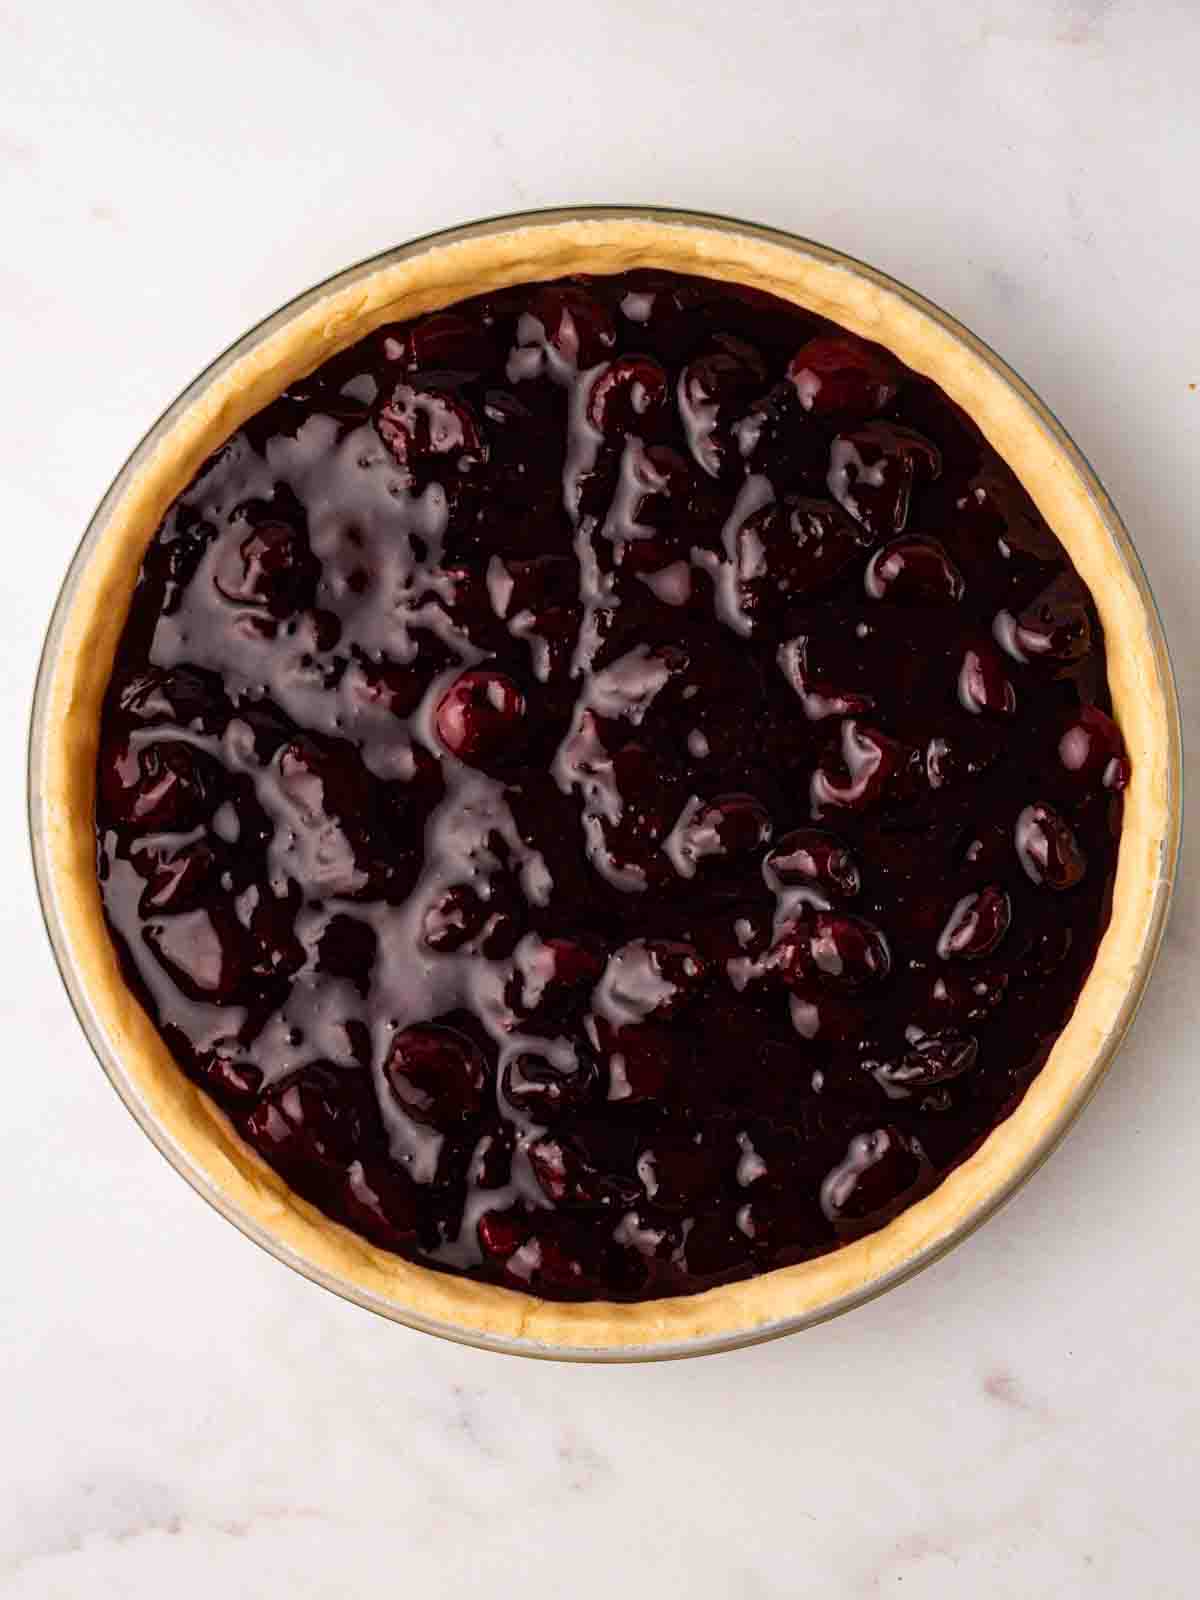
437, 277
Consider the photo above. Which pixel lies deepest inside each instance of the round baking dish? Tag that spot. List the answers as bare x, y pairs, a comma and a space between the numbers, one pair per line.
425, 275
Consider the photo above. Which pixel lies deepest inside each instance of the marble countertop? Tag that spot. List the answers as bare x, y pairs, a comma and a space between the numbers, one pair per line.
182, 1414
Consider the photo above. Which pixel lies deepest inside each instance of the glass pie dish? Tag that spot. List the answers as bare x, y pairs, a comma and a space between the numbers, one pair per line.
425, 276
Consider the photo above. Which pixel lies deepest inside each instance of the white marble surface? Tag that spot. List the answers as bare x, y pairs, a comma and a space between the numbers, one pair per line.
182, 1415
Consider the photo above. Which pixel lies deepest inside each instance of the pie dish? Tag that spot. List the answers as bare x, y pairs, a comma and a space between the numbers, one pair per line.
426, 278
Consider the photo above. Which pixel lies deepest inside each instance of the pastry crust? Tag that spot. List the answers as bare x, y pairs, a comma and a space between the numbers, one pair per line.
198, 1136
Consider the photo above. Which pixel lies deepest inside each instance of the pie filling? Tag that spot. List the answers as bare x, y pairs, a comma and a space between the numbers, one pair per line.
610, 787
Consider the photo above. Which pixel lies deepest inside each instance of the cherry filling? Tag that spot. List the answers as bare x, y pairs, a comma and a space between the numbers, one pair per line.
611, 787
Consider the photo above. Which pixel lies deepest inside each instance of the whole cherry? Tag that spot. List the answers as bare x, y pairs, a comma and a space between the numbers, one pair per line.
830, 948
934, 1058
270, 567
436, 1074
913, 572
566, 321
537, 1088
982, 684
809, 857
629, 395
1092, 750
650, 978
879, 1170
839, 377
1048, 849
307, 1120
424, 426
481, 717
164, 785
976, 925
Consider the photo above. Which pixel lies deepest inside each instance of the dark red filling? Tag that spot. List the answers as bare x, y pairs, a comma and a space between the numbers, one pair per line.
611, 786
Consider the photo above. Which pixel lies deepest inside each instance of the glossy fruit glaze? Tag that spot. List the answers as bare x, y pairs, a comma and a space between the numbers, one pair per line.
610, 787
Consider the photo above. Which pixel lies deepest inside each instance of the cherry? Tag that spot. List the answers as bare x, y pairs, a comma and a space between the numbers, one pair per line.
539, 1090
739, 824
982, 685
381, 1200
712, 390
184, 695
163, 785
1092, 750
564, 1172
424, 426
320, 781
808, 857
271, 567
575, 964
934, 1058
872, 472
655, 494
651, 978
443, 342
567, 321
1048, 849
838, 377
721, 831
308, 1120
1056, 627
178, 875
976, 925
790, 549
830, 948
879, 1170
481, 717
913, 572
627, 396
502, 1233
866, 770
556, 975
436, 1074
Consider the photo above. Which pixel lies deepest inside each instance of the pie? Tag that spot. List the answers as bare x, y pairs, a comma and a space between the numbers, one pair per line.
609, 783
